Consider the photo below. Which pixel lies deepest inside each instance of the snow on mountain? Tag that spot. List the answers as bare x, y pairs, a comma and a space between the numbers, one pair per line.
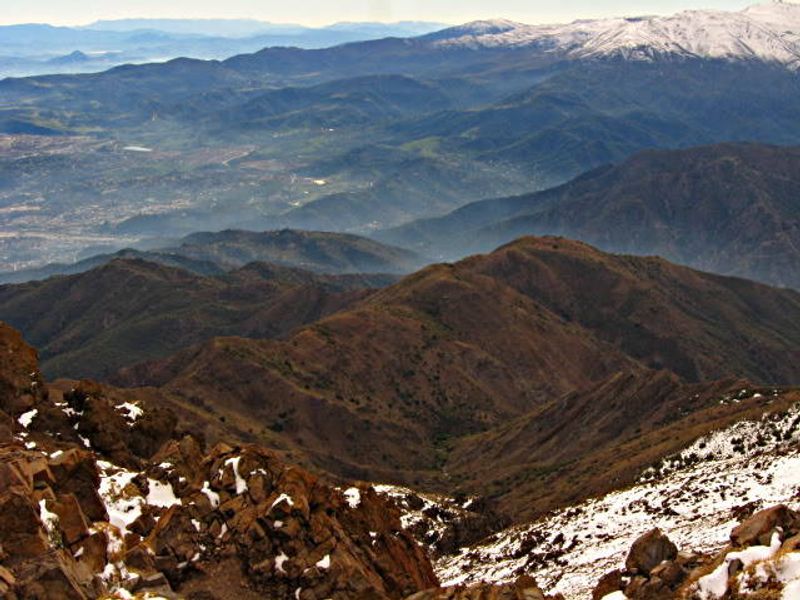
768, 32
695, 497
475, 29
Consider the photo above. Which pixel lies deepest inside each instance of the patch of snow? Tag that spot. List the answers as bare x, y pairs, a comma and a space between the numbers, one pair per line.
241, 484
123, 505
690, 497
50, 522
715, 584
279, 560
26, 418
161, 494
282, 498
130, 411
353, 497
213, 497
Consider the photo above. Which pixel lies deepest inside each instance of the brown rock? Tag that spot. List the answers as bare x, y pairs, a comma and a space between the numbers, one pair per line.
649, 551
608, 584
76, 473
92, 551
140, 559
52, 579
758, 529
144, 523
12, 477
71, 520
670, 572
21, 534
174, 535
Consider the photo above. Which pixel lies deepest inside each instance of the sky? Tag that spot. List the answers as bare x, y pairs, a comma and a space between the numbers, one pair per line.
321, 12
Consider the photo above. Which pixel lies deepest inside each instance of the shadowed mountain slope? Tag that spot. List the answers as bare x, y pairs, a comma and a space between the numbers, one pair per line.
732, 209
208, 253
126, 311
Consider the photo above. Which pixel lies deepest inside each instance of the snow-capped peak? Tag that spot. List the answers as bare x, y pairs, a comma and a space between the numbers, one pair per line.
475, 29
766, 32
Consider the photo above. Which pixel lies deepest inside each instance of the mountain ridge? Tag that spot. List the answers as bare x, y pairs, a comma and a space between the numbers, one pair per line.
477, 344
768, 32
728, 208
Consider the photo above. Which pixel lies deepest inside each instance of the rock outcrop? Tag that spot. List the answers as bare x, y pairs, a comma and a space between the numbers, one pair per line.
761, 562
102, 498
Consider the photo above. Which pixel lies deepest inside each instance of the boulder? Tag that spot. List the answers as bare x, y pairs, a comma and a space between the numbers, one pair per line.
21, 533
71, 519
650, 550
75, 472
608, 584
758, 529
52, 578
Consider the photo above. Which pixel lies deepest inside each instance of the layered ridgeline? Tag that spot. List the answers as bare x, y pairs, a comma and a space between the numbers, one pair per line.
126, 311
371, 135
216, 253
731, 209
33, 48
541, 330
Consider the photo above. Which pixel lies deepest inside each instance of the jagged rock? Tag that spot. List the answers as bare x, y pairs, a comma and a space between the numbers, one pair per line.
21, 384
145, 523
71, 519
642, 588
91, 551
51, 578
649, 551
758, 529
669, 572
175, 535
123, 441
12, 477
609, 583
21, 533
75, 472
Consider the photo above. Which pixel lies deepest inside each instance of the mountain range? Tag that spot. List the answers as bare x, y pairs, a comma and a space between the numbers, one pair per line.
32, 48
765, 32
367, 136
206, 253
460, 350
729, 209
129, 310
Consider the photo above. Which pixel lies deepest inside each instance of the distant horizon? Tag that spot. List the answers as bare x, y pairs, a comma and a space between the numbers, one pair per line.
71, 13
233, 20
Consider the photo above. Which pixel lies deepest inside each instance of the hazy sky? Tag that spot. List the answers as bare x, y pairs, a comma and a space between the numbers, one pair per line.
318, 12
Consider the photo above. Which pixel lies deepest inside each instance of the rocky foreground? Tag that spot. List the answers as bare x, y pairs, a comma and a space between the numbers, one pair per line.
101, 498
